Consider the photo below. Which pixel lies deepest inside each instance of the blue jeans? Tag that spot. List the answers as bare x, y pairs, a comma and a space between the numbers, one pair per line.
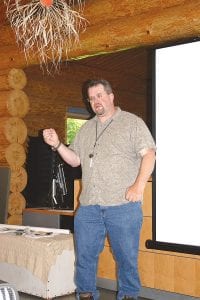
122, 223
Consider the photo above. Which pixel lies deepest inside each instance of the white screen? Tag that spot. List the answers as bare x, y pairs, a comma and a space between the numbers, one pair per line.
178, 144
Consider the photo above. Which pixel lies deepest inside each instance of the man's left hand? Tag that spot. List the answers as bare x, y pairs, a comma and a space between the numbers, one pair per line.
134, 193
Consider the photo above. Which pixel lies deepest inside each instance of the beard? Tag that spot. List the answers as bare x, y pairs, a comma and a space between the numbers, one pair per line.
99, 110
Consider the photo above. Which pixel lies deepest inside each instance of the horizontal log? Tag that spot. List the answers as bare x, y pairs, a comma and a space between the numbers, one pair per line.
3, 139
94, 12
15, 220
115, 9
3, 142
95, 9
16, 204
4, 95
12, 130
18, 179
12, 79
8, 37
178, 22
13, 57
15, 130
17, 79
4, 71
46, 105
4, 85
15, 155
14, 103
18, 103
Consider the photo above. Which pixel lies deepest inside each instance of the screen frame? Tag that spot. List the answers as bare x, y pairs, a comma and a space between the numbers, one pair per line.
154, 243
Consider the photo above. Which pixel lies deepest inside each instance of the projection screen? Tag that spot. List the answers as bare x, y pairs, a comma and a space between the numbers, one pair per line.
177, 133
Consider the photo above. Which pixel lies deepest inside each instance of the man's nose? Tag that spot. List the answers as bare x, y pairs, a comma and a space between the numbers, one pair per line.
93, 99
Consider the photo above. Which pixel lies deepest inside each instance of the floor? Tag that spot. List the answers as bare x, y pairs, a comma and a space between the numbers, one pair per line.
105, 295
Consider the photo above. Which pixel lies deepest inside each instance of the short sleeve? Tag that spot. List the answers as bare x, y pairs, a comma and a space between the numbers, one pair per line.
143, 139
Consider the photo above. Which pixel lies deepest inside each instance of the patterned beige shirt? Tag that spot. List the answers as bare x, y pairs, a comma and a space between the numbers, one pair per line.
110, 155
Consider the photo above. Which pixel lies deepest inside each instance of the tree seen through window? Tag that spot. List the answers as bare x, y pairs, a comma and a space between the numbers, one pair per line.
72, 127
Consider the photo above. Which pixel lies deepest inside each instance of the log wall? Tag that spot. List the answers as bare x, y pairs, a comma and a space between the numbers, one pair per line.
126, 24
14, 104
51, 95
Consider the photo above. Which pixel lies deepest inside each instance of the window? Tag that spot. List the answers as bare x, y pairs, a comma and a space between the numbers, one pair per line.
75, 118
73, 126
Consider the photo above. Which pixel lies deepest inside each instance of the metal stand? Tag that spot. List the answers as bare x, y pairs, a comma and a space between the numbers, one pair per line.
59, 188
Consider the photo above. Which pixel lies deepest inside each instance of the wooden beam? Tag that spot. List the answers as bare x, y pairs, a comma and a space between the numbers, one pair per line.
103, 11
13, 57
151, 28
132, 24
95, 10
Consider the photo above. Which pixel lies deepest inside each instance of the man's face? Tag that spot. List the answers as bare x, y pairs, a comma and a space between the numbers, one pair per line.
101, 102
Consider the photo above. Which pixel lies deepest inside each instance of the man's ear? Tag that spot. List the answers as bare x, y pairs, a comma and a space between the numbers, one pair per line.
112, 97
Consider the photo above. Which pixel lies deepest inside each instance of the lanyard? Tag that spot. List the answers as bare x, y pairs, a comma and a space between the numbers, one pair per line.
96, 139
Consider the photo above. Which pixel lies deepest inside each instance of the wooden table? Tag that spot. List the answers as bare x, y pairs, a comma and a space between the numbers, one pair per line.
37, 265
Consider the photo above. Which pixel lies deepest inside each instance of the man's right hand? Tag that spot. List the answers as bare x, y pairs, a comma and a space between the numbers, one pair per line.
50, 137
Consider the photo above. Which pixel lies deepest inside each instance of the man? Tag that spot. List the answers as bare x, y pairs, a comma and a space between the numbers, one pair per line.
117, 154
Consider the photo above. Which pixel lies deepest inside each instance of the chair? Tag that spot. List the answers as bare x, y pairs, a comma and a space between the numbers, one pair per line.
8, 292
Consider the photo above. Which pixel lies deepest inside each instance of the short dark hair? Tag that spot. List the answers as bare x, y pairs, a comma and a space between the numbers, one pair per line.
94, 82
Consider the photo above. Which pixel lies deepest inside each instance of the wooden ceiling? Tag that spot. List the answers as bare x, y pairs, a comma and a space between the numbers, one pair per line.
126, 62
115, 25
133, 63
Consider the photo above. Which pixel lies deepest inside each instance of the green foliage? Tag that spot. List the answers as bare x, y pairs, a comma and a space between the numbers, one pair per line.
72, 127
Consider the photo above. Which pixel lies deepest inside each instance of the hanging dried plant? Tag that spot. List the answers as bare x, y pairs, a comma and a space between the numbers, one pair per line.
47, 29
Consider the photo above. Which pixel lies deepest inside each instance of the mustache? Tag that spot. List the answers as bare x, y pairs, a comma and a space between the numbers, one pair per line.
98, 105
